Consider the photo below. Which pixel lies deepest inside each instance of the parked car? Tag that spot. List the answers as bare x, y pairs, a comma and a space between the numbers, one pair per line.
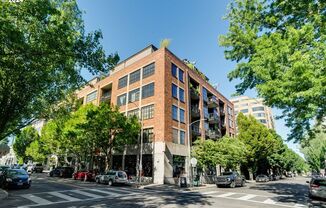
15, 178
38, 168
85, 175
112, 177
3, 168
262, 178
64, 172
231, 179
317, 187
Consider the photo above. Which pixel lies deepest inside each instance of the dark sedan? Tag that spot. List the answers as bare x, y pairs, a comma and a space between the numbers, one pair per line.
16, 178
64, 172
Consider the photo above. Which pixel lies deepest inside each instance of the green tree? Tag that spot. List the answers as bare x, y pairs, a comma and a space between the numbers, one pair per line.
165, 43
35, 151
23, 140
109, 129
280, 47
315, 151
44, 46
227, 152
260, 142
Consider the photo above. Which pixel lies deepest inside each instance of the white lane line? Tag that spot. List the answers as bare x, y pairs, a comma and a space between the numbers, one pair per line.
36, 199
247, 197
106, 192
63, 196
85, 193
225, 195
269, 201
210, 192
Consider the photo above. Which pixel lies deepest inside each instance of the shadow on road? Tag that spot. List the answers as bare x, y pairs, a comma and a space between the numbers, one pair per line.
290, 193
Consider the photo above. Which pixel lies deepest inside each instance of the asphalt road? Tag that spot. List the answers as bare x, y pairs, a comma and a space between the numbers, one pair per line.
61, 193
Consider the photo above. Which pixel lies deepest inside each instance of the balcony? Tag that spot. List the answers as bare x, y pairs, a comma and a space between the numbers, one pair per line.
213, 118
213, 134
222, 112
195, 131
195, 112
212, 102
106, 97
194, 94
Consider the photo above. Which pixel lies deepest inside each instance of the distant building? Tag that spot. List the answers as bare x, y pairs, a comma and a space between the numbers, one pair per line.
254, 107
9, 158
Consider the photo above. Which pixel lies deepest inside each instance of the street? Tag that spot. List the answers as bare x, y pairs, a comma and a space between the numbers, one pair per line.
58, 192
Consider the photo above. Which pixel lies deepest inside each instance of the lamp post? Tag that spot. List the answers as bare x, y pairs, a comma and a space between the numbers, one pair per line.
140, 117
189, 150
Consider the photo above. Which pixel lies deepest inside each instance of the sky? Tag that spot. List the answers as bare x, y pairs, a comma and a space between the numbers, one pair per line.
192, 25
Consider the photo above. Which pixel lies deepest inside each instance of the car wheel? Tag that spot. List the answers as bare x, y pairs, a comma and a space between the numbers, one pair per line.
232, 185
242, 183
110, 182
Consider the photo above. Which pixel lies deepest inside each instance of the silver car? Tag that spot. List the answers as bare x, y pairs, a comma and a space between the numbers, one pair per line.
317, 187
112, 177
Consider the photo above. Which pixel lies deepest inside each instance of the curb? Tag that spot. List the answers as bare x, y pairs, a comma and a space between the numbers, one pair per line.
200, 187
3, 194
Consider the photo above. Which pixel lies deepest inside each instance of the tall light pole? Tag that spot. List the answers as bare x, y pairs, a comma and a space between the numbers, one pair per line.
140, 117
189, 149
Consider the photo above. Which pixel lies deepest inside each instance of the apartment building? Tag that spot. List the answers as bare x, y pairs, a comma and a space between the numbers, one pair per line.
254, 107
177, 106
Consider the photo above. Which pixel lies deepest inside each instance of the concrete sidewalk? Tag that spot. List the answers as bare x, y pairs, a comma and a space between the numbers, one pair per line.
3, 194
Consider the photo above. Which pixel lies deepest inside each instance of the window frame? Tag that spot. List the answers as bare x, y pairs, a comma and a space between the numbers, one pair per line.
181, 79
150, 112
118, 104
183, 94
134, 76
144, 90
174, 107
148, 70
184, 137
91, 94
184, 115
120, 81
129, 95
176, 88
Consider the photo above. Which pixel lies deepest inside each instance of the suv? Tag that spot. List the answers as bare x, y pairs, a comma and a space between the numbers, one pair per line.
112, 177
38, 168
231, 179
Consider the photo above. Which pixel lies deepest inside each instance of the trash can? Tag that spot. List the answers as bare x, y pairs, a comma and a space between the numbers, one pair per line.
196, 180
183, 182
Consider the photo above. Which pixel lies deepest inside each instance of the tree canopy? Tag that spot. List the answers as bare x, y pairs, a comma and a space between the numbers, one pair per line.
280, 48
44, 47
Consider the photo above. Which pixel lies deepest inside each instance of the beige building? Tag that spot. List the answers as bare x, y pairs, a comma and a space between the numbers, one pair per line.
254, 107
177, 105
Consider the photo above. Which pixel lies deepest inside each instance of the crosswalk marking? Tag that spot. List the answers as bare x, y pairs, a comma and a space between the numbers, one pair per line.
225, 195
85, 193
105, 192
210, 192
269, 201
36, 199
63, 196
247, 197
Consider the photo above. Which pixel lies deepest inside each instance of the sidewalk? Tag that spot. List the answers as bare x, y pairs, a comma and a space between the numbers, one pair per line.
3, 194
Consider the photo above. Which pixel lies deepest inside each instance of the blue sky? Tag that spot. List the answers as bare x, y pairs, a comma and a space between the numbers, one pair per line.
193, 26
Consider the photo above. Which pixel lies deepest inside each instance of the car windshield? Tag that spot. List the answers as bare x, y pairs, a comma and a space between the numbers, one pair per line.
227, 173
16, 172
320, 182
121, 175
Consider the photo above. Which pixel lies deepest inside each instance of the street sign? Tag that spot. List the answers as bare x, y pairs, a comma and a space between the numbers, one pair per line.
193, 162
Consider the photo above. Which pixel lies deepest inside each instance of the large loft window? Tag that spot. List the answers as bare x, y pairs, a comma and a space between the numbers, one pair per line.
182, 115
174, 70
123, 82
175, 136
174, 91
148, 70
182, 137
148, 90
133, 95
91, 96
121, 100
174, 112
181, 95
134, 76
134, 112
181, 73
147, 112
148, 135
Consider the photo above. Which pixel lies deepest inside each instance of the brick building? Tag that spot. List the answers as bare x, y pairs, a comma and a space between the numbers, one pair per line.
169, 95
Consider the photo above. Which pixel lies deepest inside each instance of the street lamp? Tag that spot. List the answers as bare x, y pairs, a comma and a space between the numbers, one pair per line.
140, 117
189, 149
